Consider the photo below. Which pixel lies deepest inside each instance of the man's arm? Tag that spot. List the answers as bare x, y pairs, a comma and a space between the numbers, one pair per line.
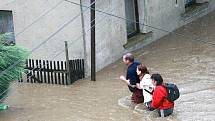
126, 81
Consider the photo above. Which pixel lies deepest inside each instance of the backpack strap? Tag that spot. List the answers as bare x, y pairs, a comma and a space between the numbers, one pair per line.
164, 86
149, 91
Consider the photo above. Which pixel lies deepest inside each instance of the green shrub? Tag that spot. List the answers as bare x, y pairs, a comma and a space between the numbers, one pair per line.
10, 56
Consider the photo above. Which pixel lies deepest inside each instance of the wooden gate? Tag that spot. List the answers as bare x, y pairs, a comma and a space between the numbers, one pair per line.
53, 72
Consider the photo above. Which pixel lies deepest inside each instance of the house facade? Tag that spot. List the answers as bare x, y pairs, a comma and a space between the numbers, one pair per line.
43, 25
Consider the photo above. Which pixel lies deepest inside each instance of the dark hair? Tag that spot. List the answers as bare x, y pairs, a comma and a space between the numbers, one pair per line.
142, 68
157, 78
129, 57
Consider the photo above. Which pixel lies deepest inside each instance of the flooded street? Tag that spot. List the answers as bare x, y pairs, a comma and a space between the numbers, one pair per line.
188, 63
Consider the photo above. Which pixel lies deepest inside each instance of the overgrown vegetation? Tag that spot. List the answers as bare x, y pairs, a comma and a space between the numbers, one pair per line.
12, 60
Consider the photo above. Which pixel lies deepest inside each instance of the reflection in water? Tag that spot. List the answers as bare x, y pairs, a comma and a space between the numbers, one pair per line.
189, 64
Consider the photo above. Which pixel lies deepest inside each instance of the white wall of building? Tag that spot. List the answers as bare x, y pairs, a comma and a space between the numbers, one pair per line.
25, 12
166, 15
110, 32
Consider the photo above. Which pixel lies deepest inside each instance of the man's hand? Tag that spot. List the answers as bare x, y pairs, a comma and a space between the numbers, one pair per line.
122, 78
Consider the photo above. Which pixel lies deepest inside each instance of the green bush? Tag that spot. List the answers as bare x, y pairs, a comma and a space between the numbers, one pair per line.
10, 56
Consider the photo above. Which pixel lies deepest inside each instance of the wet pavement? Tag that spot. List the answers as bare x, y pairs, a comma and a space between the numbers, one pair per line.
188, 63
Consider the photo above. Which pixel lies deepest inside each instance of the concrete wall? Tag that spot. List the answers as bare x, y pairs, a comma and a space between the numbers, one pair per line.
160, 14
110, 32
211, 5
166, 15
25, 12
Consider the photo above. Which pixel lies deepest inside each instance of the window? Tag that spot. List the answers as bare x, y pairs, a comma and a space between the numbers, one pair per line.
6, 25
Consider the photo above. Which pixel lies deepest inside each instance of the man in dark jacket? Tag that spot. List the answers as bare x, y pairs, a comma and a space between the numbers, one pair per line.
159, 98
132, 78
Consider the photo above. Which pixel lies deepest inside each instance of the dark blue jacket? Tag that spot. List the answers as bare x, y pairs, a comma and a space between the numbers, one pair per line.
132, 75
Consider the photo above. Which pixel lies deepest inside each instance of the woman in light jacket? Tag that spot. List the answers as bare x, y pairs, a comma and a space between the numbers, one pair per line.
146, 83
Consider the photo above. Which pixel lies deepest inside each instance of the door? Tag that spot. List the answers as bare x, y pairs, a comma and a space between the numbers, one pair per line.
132, 16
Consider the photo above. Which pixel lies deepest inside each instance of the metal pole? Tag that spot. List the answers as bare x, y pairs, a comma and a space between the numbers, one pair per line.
67, 64
93, 49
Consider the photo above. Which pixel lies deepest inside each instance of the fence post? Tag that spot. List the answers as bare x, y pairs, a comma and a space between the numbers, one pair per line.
67, 64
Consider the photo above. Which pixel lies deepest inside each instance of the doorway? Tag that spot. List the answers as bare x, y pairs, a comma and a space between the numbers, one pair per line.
132, 16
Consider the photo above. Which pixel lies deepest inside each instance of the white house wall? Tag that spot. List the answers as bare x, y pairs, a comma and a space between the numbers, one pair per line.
25, 12
166, 15
110, 32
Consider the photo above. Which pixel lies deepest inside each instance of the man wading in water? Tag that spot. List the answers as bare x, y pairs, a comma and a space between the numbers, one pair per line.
132, 78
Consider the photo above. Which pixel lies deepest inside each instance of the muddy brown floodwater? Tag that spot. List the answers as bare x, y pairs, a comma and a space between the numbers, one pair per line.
189, 64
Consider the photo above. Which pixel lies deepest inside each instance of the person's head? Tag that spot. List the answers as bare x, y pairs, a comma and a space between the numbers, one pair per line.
142, 70
157, 79
128, 58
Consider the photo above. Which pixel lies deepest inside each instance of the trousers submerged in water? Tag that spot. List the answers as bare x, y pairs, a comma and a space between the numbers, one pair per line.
165, 112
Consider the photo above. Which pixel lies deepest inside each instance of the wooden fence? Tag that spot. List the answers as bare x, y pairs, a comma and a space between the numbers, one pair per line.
53, 72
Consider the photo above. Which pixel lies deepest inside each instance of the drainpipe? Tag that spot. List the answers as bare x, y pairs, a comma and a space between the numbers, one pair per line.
84, 39
146, 17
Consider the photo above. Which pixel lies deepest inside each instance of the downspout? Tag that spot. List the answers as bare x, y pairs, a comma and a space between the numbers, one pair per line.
84, 39
146, 17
